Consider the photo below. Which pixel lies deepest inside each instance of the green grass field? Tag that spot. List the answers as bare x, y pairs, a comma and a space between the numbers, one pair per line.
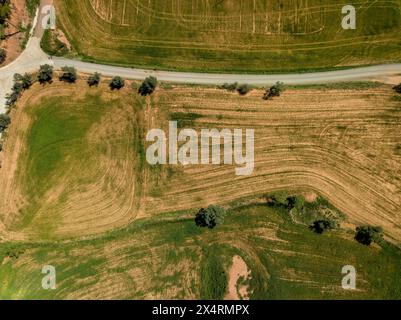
231, 35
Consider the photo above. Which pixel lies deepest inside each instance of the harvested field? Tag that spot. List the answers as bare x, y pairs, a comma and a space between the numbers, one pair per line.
341, 143
75, 167
168, 257
231, 35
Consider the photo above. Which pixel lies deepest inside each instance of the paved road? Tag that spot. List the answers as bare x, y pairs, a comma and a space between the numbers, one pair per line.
33, 57
363, 73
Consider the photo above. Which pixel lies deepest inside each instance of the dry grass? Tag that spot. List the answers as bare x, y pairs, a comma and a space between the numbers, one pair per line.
342, 144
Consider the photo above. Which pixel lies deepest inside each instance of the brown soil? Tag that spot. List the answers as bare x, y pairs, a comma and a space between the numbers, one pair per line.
239, 273
12, 44
310, 197
62, 38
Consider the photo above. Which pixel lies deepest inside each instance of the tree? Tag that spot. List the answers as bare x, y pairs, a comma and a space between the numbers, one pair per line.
148, 86
5, 10
321, 226
45, 73
3, 55
397, 88
243, 89
21, 83
368, 234
94, 79
4, 122
274, 91
11, 98
210, 217
117, 83
25, 80
69, 74
17, 88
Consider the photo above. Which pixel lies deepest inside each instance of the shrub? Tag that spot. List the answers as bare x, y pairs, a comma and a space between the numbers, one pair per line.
4, 122
31, 5
25, 80
274, 91
2, 32
368, 234
321, 226
148, 86
5, 10
210, 217
45, 74
397, 88
52, 45
69, 74
94, 79
117, 83
11, 98
243, 89
21, 83
3, 55
229, 86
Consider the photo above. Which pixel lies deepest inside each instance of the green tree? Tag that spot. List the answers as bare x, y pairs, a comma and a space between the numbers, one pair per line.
11, 98
210, 217
274, 91
243, 89
117, 83
21, 83
321, 226
4, 122
368, 234
5, 10
94, 79
69, 74
45, 73
148, 86
25, 80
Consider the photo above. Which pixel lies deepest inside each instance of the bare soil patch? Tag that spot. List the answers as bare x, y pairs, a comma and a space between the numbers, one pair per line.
239, 274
